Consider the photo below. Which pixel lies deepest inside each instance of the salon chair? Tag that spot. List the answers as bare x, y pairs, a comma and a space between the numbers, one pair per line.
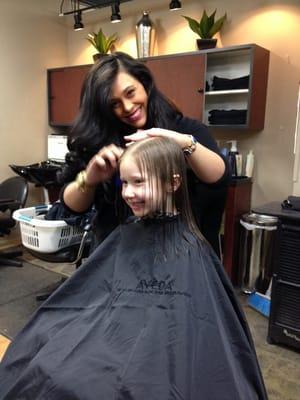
13, 195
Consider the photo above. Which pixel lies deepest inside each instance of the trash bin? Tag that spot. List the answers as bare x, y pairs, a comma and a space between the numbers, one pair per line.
256, 252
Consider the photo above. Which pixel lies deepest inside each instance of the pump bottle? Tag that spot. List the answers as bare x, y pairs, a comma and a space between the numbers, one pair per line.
232, 157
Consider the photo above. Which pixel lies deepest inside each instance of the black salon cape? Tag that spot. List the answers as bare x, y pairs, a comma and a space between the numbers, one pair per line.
149, 316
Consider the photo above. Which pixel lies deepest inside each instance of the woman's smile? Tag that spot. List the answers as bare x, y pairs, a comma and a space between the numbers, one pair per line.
129, 100
135, 115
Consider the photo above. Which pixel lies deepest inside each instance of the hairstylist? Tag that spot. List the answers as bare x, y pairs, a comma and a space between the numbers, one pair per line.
120, 104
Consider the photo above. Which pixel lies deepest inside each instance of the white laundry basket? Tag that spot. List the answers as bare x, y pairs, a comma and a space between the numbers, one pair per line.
42, 235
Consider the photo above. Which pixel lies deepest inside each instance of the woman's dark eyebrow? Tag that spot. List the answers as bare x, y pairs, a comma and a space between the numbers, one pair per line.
124, 91
129, 88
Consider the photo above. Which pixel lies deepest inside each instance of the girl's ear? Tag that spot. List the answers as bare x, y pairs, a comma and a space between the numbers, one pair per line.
176, 182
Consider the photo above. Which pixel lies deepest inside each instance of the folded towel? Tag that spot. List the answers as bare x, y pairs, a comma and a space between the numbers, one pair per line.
230, 84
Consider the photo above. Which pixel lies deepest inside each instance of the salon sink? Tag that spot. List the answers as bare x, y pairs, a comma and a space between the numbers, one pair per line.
41, 174
23, 170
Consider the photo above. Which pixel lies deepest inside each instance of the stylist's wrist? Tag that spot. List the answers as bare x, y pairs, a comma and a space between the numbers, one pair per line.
183, 140
82, 183
186, 141
191, 147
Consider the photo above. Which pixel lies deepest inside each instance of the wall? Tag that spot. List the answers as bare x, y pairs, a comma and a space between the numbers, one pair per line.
274, 146
271, 24
31, 41
274, 25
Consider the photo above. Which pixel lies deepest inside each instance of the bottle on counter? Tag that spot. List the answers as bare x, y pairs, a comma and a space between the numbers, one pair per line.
233, 152
239, 164
249, 164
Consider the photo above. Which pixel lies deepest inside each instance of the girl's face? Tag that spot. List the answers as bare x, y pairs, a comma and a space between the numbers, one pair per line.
129, 100
138, 190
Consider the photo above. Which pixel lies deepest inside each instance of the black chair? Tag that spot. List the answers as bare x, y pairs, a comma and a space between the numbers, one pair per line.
13, 195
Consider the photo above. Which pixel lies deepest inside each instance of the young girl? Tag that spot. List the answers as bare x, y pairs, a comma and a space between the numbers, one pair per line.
150, 315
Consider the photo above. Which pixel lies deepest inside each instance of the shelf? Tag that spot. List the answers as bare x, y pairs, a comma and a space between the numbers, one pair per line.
226, 92
228, 126
244, 61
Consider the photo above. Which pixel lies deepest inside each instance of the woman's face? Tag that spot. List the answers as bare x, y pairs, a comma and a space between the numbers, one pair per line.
129, 100
138, 190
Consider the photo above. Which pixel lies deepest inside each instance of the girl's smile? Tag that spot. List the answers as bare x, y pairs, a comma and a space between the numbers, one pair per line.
137, 188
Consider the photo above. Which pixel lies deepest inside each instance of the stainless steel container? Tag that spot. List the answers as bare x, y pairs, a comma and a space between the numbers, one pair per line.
256, 251
145, 36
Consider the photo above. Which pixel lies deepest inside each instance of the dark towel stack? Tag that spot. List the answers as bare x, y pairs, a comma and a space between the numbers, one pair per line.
230, 84
227, 117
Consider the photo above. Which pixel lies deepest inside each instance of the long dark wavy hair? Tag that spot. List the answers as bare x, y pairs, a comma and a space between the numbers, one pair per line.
96, 124
162, 160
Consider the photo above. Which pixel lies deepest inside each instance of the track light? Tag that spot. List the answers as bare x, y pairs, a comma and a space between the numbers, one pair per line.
115, 14
175, 5
78, 25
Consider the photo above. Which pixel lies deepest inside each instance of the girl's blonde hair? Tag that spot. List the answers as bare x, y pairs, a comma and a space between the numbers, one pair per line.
162, 159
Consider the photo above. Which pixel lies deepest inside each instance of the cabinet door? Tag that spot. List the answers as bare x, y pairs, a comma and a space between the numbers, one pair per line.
181, 79
64, 87
238, 203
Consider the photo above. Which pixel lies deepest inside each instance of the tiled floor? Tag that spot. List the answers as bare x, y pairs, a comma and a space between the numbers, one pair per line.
64, 269
280, 366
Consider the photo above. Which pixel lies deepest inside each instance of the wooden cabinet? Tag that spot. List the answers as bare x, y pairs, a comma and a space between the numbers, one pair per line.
236, 89
187, 80
181, 79
193, 80
64, 86
238, 203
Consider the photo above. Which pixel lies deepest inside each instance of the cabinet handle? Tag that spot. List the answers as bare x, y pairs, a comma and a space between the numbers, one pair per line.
200, 90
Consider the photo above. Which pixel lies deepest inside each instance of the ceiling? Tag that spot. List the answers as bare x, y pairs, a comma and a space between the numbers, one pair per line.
103, 12
99, 3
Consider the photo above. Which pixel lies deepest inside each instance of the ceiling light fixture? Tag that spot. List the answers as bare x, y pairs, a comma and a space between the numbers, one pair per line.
115, 14
78, 25
68, 7
175, 5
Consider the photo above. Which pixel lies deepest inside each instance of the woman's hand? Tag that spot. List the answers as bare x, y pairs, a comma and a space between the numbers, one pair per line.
100, 169
181, 139
205, 163
103, 165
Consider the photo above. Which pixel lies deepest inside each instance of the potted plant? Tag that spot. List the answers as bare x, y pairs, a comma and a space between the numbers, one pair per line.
102, 43
206, 28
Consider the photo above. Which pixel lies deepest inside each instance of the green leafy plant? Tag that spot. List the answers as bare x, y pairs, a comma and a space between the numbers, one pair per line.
101, 42
207, 27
